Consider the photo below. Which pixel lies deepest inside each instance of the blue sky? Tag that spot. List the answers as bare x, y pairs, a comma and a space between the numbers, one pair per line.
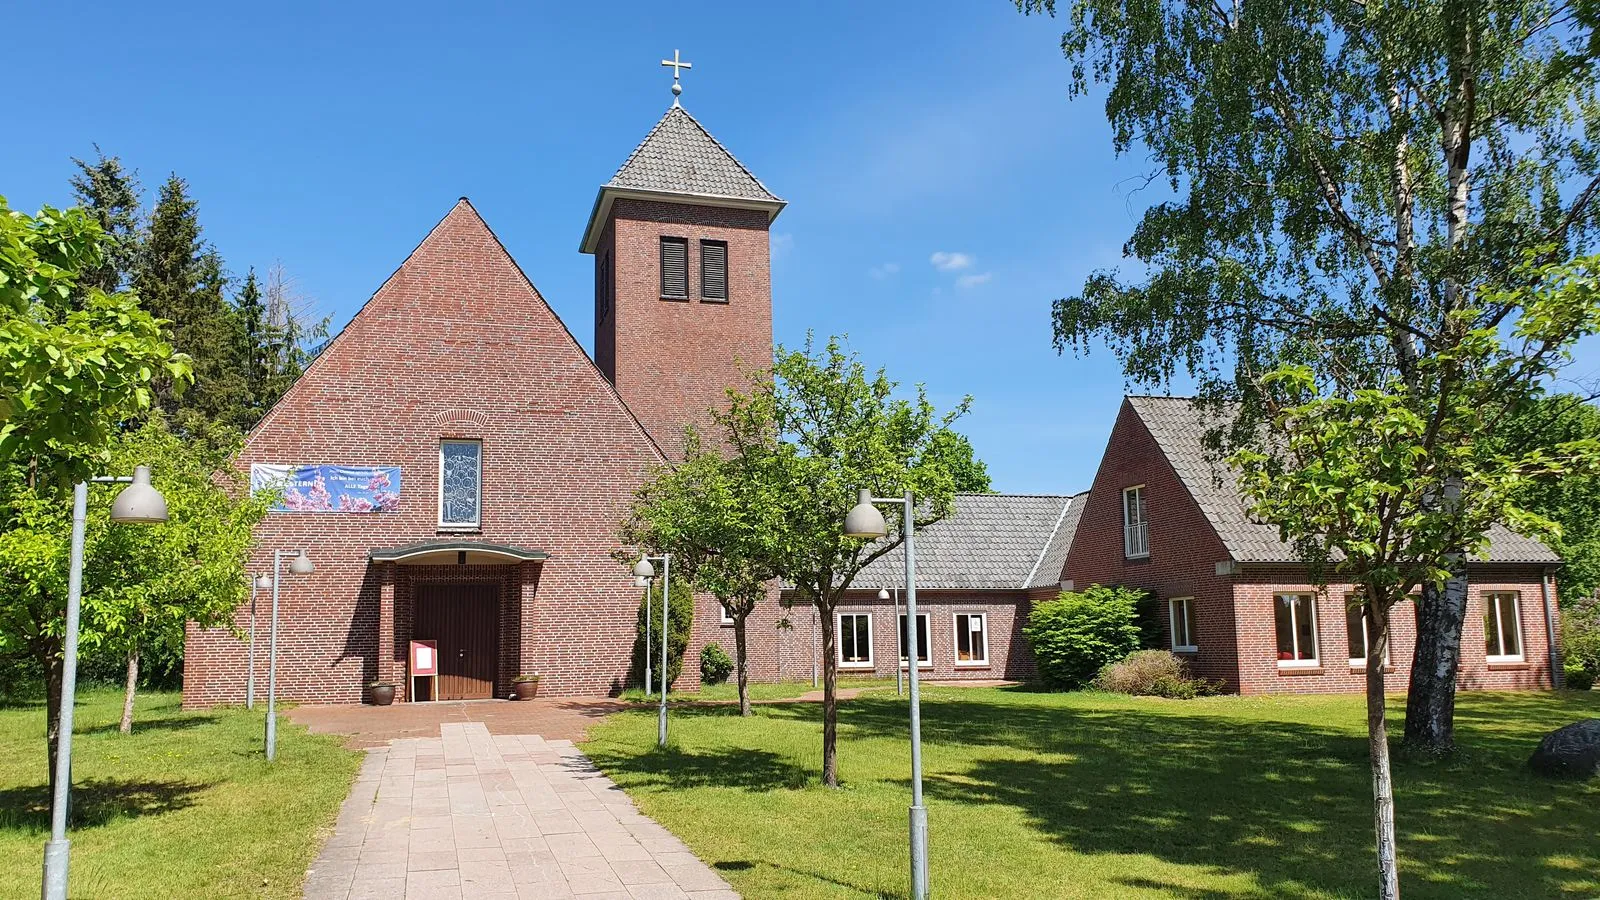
942, 188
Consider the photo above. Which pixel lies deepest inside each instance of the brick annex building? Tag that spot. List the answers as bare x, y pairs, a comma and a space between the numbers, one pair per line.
507, 457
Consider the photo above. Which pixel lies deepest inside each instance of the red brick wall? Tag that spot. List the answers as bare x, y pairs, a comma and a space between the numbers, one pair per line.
1260, 673
673, 360
456, 343
1184, 548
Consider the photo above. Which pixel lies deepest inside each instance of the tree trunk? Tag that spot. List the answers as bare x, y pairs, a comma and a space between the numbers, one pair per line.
830, 702
52, 705
1378, 746
1431, 702
127, 694
740, 665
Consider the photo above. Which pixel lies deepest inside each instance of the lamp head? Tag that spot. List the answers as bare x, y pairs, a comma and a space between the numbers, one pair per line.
883, 593
302, 565
639, 581
863, 520
643, 569
263, 581
139, 502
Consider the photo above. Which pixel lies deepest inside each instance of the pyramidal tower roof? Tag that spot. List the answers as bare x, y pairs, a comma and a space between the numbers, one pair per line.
680, 162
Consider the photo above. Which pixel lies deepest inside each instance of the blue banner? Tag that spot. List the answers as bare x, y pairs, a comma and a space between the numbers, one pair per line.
342, 489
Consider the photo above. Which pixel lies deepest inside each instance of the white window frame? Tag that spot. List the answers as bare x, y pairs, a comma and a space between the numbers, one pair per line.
1130, 528
1294, 632
1188, 646
838, 640
477, 523
955, 639
724, 617
1491, 598
927, 620
1360, 662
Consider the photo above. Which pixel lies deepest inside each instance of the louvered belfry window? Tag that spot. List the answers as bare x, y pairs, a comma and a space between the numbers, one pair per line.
675, 268
714, 270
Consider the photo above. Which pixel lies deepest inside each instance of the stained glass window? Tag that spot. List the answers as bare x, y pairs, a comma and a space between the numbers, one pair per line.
460, 483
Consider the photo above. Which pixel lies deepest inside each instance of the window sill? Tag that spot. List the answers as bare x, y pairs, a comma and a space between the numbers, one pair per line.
460, 529
720, 301
972, 665
669, 297
1185, 649
1361, 666
858, 667
1300, 670
1507, 664
920, 665
1136, 557
724, 624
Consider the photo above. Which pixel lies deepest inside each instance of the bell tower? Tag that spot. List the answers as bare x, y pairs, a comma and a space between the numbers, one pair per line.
682, 286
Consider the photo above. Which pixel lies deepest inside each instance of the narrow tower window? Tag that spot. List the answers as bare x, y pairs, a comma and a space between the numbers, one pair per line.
714, 271
675, 268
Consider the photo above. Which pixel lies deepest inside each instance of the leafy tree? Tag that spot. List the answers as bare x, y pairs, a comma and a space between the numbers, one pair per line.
680, 625
811, 434
970, 474
1077, 634
110, 194
75, 361
1349, 178
1355, 481
1572, 503
714, 515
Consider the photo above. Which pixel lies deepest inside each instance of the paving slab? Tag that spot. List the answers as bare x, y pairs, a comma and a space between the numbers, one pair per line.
472, 813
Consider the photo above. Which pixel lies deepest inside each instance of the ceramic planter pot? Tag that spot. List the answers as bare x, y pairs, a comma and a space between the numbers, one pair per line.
524, 690
381, 694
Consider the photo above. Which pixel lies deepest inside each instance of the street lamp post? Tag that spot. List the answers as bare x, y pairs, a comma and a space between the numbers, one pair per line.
644, 582
864, 521
257, 585
138, 503
300, 565
883, 594
643, 569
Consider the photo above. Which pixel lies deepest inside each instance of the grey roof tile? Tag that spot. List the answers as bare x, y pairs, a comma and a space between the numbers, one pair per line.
1047, 572
1179, 426
990, 542
679, 156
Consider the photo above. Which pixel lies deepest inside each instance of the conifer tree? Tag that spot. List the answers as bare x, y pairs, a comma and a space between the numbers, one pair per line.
110, 193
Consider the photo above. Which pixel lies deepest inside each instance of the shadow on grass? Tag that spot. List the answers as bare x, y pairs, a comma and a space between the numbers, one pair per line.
96, 802
742, 865
674, 769
1232, 790
166, 723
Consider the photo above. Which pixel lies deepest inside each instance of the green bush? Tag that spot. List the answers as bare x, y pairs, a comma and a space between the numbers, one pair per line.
1579, 679
1580, 635
680, 620
1078, 633
715, 664
1152, 673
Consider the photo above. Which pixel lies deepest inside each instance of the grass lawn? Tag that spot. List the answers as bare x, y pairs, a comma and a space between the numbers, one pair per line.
186, 806
1095, 795
729, 691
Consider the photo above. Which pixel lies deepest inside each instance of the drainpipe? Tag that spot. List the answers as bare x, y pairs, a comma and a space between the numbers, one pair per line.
1550, 629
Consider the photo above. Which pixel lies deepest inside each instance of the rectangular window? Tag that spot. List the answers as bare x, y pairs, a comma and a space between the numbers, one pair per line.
460, 484
922, 640
1358, 631
727, 617
602, 287
1135, 526
714, 270
972, 639
1296, 616
1180, 616
1502, 626
855, 640
675, 268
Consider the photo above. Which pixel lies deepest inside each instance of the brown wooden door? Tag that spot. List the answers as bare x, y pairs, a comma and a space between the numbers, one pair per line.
465, 620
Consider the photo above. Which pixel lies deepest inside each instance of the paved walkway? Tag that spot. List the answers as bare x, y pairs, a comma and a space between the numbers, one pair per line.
376, 726
472, 814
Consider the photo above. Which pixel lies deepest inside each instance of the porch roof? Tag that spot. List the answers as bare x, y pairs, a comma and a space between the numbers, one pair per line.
455, 553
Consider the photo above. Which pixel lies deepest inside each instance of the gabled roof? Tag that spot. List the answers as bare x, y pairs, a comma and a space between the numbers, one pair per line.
1178, 425
989, 542
679, 161
1047, 572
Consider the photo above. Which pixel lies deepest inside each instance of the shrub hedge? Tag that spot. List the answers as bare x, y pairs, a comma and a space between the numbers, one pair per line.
1078, 633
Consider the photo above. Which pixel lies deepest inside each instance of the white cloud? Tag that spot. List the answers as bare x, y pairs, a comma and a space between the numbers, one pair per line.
782, 244
884, 271
974, 280
950, 262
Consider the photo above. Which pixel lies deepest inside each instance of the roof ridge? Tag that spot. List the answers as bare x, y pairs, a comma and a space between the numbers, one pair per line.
706, 133
1004, 494
1044, 549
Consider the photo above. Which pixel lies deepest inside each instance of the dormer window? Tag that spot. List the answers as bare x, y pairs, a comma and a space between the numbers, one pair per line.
674, 268
1135, 525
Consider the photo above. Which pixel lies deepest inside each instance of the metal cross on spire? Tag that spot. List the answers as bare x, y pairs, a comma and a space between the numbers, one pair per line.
677, 66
